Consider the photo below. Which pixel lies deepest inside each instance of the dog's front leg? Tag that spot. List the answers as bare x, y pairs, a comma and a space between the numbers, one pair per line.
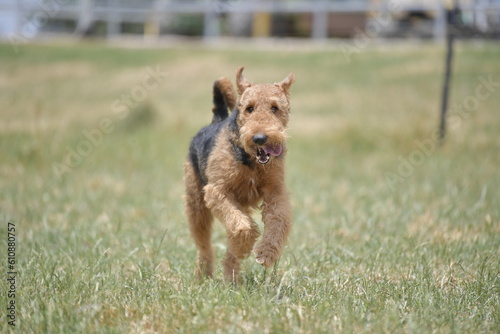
276, 215
242, 231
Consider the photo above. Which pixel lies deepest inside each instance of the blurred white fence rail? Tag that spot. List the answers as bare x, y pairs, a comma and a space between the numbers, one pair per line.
114, 12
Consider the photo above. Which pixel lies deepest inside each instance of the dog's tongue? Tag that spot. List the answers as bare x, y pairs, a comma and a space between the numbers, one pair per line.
275, 151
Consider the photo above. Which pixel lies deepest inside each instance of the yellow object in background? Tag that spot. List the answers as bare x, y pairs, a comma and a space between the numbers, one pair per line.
261, 25
151, 29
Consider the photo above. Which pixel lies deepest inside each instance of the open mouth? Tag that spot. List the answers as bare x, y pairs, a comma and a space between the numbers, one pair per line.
264, 153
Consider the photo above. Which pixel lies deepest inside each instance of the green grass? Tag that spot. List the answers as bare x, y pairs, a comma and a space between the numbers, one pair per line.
103, 246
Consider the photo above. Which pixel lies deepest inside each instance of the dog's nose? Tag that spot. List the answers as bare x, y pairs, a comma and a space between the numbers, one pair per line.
259, 139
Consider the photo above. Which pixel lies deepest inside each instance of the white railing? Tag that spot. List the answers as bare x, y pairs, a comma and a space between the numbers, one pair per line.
114, 12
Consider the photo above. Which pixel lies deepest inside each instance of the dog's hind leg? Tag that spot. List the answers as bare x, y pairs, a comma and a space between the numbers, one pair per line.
200, 221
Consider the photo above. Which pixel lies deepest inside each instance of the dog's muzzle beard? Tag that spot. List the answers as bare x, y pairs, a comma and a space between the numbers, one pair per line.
265, 152
262, 144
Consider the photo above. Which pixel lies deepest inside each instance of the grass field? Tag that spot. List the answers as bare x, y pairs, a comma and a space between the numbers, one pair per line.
391, 233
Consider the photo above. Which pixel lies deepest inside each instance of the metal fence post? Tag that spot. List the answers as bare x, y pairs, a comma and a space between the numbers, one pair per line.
450, 37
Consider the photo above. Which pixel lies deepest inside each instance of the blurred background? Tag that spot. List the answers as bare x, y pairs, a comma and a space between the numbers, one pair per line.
394, 231
316, 19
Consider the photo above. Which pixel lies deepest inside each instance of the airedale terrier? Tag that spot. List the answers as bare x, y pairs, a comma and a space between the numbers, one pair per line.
235, 164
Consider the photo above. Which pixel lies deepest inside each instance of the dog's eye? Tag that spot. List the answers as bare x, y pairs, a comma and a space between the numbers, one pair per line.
274, 109
249, 109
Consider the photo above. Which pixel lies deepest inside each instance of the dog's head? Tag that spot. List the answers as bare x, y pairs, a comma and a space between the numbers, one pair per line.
263, 112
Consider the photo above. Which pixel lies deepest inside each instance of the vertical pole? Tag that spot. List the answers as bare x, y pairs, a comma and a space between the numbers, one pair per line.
114, 24
450, 37
19, 13
211, 22
320, 20
439, 29
85, 18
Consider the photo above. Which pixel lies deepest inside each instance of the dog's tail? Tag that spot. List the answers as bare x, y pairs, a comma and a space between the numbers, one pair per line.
224, 98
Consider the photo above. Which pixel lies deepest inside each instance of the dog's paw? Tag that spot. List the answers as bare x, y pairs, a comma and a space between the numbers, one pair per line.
266, 255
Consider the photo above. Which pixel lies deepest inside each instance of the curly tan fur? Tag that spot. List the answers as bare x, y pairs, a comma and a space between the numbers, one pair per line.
233, 170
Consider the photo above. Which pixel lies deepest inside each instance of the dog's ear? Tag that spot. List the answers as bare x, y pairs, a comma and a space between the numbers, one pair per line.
241, 82
286, 83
